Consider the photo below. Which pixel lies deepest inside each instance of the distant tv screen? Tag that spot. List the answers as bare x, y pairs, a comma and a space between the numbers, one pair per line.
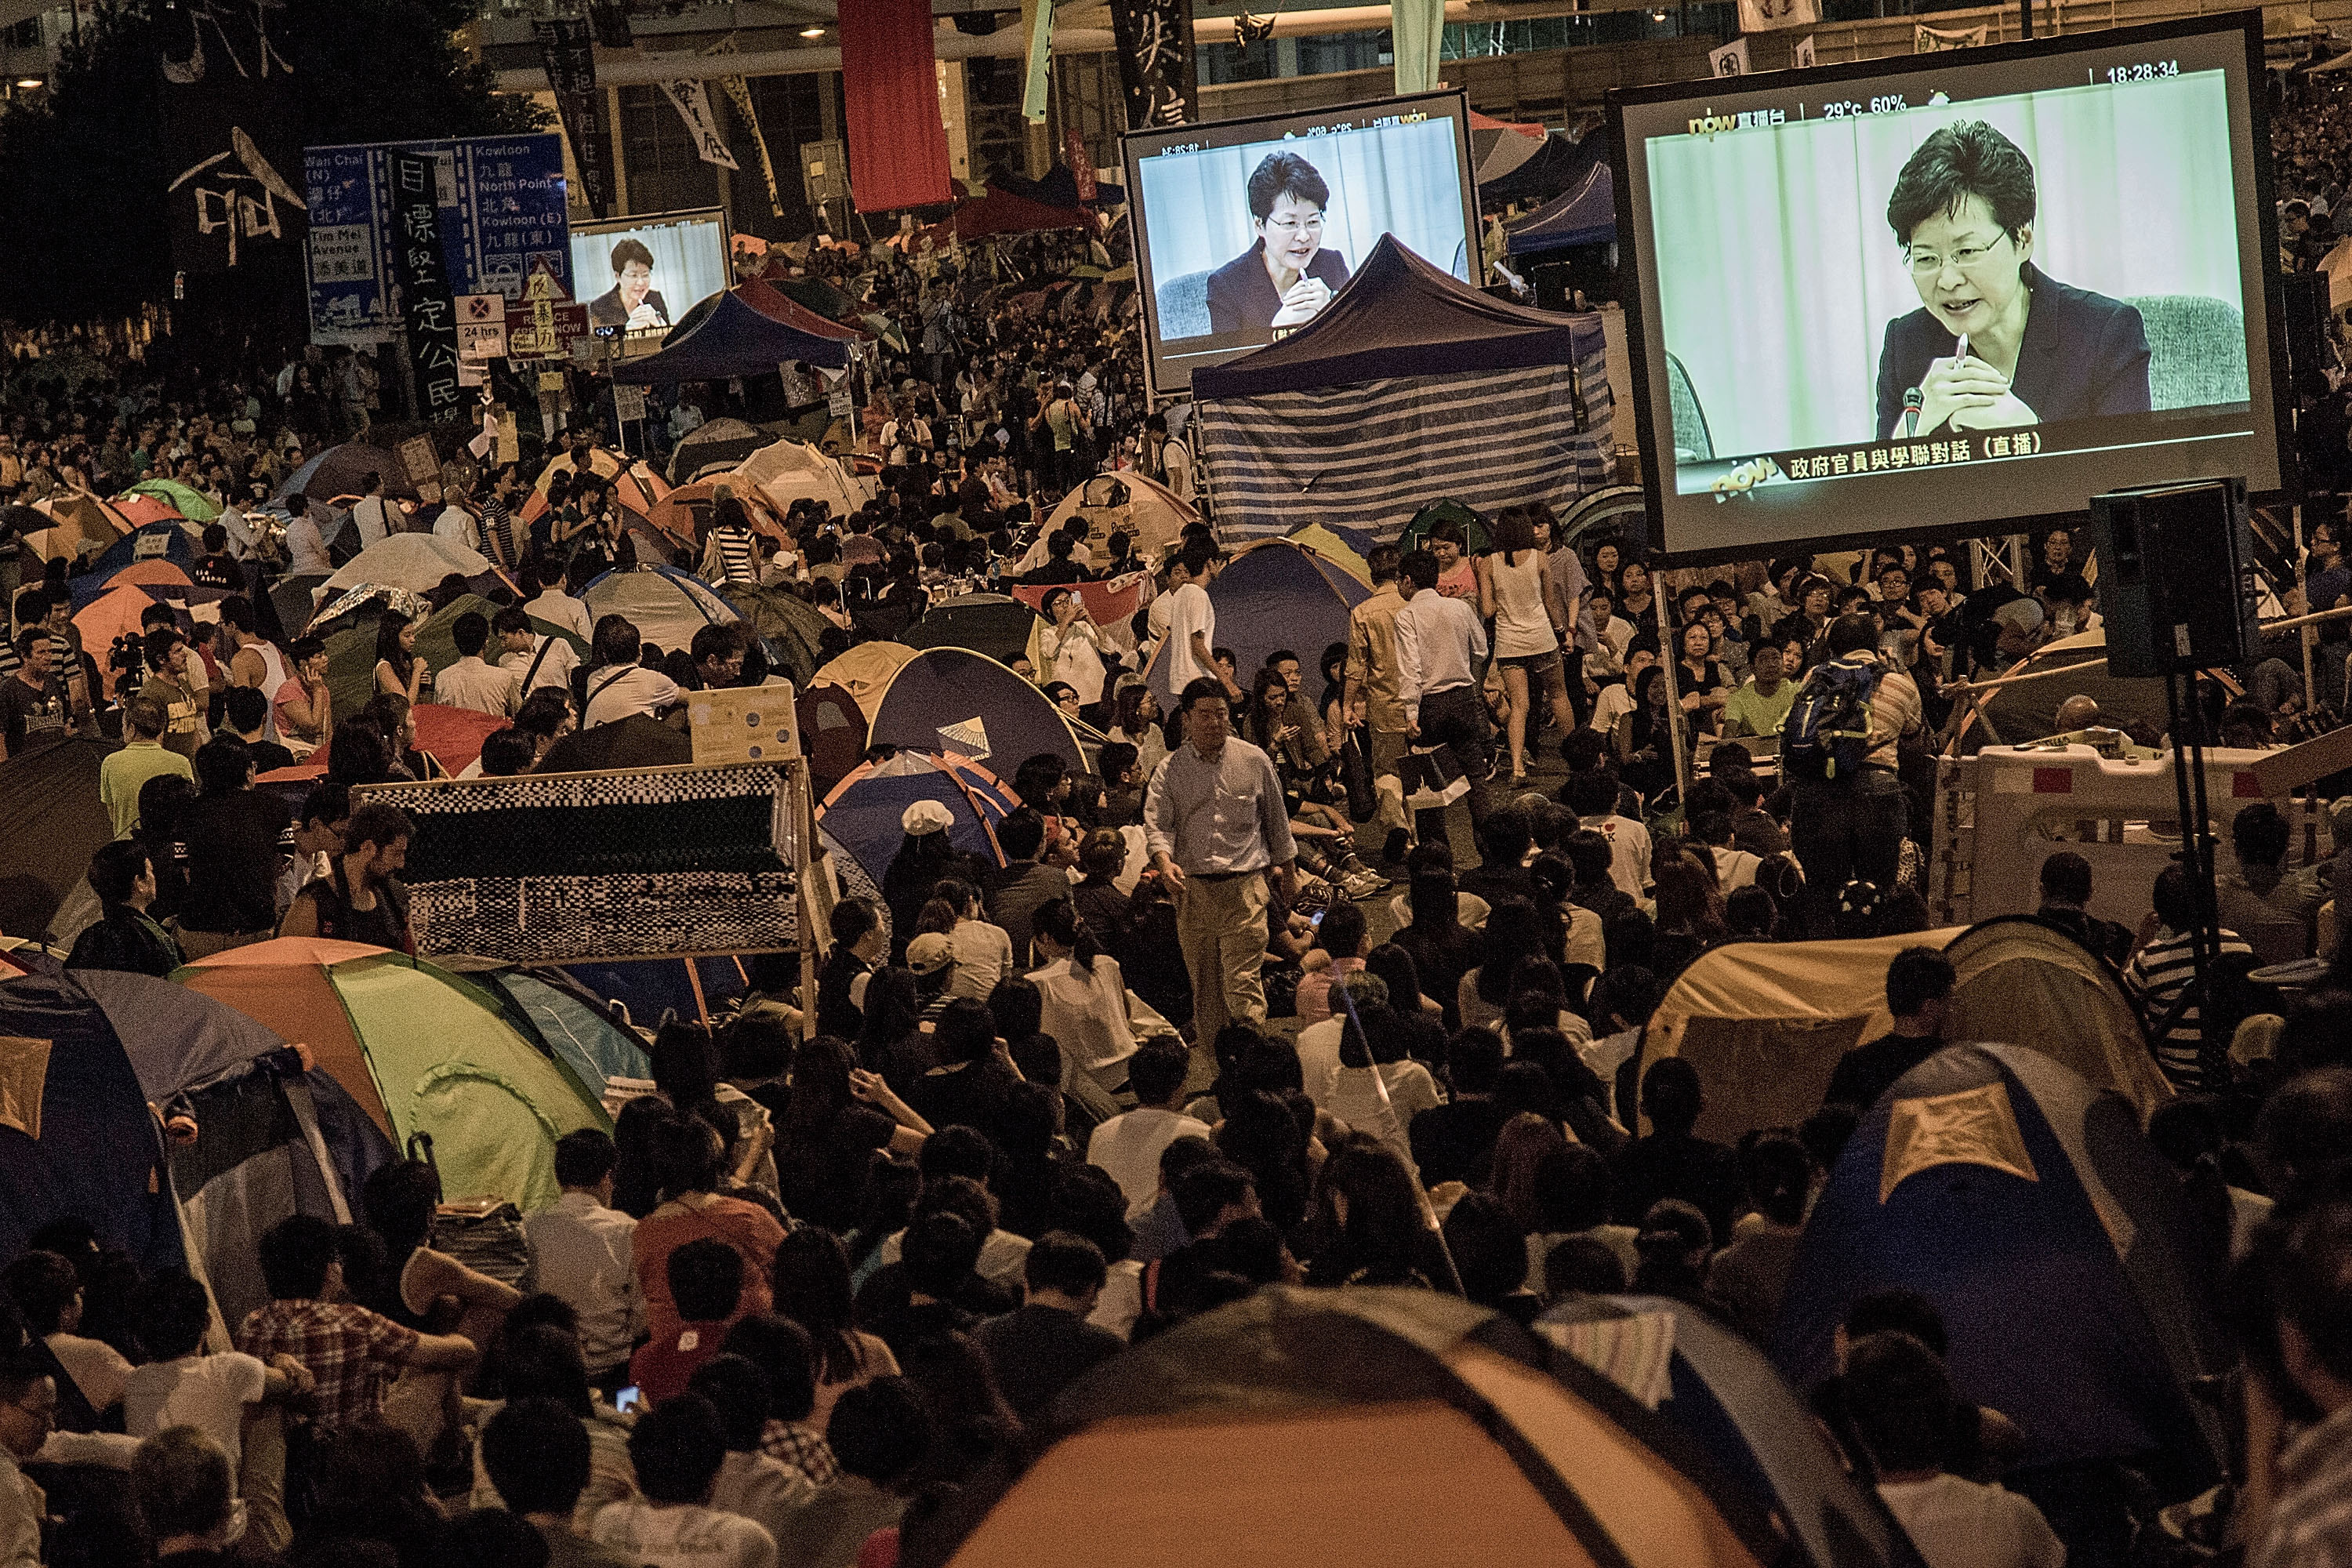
638, 275
1954, 290
1246, 228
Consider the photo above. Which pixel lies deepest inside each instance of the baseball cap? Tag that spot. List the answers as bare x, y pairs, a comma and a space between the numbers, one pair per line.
929, 953
926, 816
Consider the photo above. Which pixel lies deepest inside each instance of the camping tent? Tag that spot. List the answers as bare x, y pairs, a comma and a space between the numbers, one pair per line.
791, 628
731, 339
863, 813
50, 825
1498, 146
997, 624
1559, 164
1765, 1023
77, 1139
865, 671
787, 471
666, 605
168, 542
1273, 595
777, 305
1585, 214
564, 1019
114, 613
94, 524
1720, 1392
684, 514
1130, 502
416, 561
343, 470
189, 503
421, 1051
1346, 548
273, 1138
2059, 1246
143, 510
351, 652
451, 737
832, 734
1002, 212
2027, 983
637, 492
1410, 383
952, 699
714, 444
1357, 1426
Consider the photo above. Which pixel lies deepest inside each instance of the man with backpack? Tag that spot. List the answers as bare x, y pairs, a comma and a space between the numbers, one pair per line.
1837, 750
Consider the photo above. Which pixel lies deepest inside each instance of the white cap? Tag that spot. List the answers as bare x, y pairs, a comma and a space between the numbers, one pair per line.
926, 816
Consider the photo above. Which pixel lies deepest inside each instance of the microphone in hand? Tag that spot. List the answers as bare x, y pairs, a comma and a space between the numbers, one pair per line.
1912, 401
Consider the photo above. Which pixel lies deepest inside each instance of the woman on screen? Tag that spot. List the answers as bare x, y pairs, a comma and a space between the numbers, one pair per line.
1995, 344
1287, 276
632, 302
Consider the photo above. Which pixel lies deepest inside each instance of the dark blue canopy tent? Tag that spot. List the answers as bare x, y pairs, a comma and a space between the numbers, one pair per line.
167, 540
723, 337
1585, 214
2056, 1243
953, 699
1275, 595
1409, 385
95, 1152
256, 1109
1556, 166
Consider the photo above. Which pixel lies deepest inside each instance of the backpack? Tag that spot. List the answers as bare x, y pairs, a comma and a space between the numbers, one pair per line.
1827, 732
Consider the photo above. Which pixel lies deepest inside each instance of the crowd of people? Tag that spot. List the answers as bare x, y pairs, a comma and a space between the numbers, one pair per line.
1249, 1005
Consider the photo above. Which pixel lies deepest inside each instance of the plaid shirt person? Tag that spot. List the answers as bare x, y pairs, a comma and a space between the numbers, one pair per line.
802, 1447
353, 1354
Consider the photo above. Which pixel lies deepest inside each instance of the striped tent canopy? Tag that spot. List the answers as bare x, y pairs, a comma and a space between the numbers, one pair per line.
1409, 385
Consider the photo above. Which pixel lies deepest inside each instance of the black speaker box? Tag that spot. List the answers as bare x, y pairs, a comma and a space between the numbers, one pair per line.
2175, 577
2303, 297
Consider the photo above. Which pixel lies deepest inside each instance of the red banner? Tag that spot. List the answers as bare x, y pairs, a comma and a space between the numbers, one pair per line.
889, 76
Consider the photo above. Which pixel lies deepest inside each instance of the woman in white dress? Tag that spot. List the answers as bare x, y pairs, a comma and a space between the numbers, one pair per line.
1515, 588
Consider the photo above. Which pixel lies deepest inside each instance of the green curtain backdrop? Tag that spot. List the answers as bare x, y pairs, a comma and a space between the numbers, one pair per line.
1777, 273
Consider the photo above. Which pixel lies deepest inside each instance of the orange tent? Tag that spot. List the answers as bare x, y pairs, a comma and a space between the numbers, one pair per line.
1347, 1425
109, 616
161, 573
635, 487
143, 510
283, 984
98, 523
450, 736
684, 512
421, 1051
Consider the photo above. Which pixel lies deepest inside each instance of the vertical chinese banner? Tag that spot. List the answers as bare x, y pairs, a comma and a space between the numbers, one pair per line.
1155, 69
427, 307
568, 54
230, 117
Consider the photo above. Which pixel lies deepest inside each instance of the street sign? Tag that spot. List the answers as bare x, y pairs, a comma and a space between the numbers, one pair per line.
481, 326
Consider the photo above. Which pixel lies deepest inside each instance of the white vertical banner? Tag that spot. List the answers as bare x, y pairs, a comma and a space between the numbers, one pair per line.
1766, 16
1801, 56
1729, 61
693, 105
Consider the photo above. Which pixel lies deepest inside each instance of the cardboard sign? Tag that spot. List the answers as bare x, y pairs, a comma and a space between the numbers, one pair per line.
629, 403
545, 329
416, 457
743, 724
